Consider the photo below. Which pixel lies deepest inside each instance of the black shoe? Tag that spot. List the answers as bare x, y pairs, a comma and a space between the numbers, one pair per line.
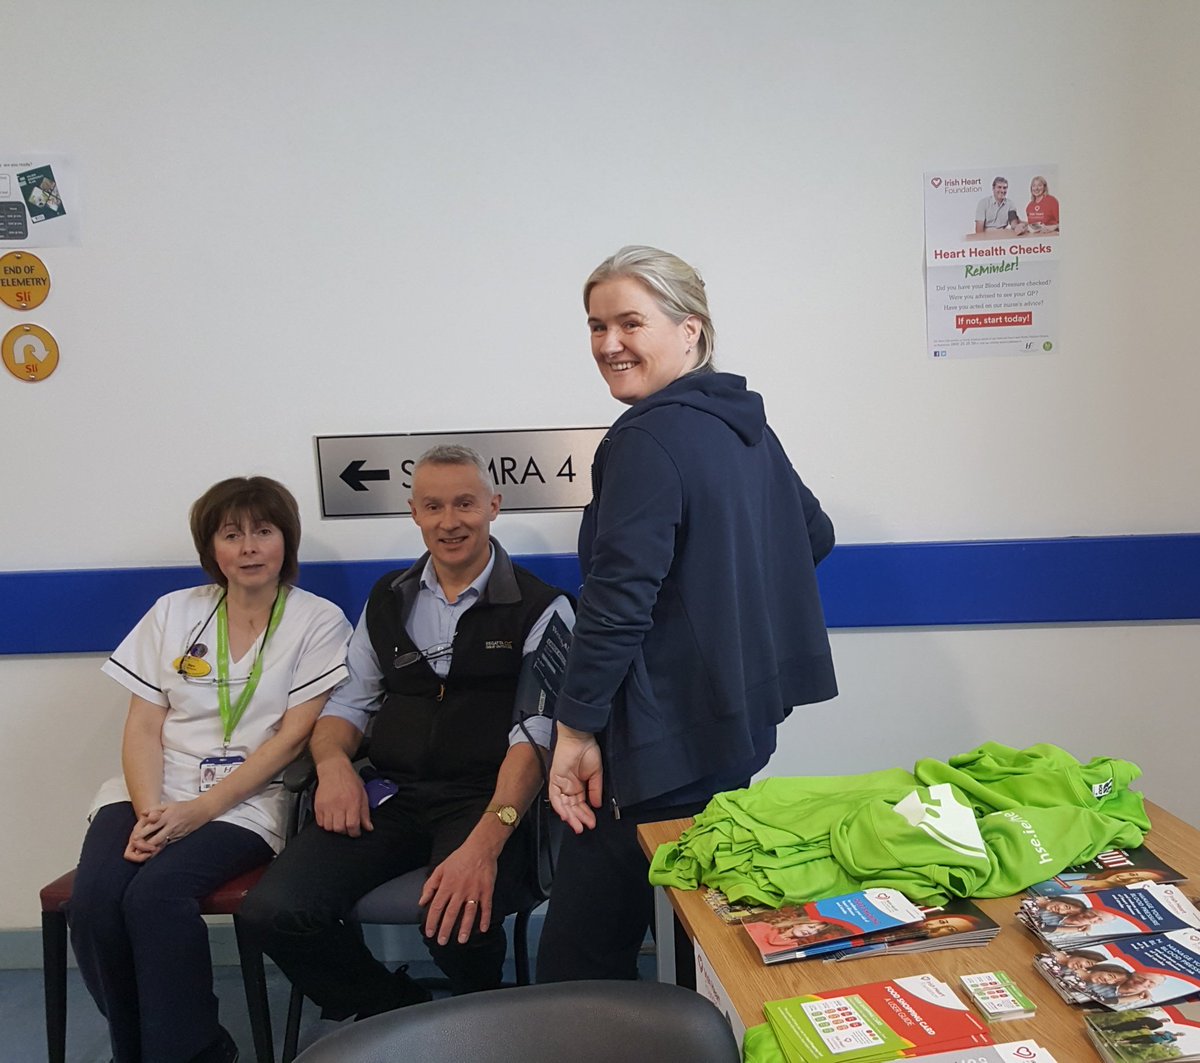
223, 1050
405, 991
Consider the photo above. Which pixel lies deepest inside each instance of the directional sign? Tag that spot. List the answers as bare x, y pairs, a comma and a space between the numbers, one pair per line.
355, 476
30, 353
533, 468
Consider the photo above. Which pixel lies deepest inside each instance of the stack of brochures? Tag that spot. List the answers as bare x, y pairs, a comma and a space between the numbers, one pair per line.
1112, 868
729, 912
1075, 920
997, 996
918, 1015
762, 1043
1147, 1035
1134, 972
796, 932
1010, 1052
956, 924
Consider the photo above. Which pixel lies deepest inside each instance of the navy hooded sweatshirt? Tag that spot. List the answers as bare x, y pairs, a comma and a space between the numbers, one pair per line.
700, 623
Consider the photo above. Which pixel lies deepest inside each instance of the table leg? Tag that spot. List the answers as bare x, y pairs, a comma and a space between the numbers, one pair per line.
664, 935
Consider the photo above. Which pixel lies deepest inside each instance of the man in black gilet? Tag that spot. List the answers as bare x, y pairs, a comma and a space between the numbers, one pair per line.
435, 660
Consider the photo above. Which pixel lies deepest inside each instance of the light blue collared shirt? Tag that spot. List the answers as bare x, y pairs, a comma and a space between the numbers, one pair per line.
432, 622
995, 215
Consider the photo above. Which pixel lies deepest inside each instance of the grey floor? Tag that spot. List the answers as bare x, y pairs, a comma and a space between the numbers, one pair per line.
22, 1015
23, 1024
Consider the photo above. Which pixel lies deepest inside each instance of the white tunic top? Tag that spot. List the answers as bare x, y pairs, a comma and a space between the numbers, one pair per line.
303, 658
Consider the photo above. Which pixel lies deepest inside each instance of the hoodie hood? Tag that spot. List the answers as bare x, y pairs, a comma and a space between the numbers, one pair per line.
722, 395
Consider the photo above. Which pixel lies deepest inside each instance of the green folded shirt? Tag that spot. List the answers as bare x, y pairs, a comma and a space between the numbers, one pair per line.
984, 824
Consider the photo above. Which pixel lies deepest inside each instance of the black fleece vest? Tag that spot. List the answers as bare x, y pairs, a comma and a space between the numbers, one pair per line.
449, 736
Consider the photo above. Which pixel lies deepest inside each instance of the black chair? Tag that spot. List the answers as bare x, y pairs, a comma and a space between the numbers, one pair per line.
394, 903
573, 1022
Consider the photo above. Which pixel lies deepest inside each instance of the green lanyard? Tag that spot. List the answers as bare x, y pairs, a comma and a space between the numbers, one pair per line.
230, 717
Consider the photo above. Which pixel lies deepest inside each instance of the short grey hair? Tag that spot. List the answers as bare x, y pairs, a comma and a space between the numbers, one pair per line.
456, 454
677, 288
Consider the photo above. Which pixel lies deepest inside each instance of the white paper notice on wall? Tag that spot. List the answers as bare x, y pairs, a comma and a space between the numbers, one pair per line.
992, 244
40, 203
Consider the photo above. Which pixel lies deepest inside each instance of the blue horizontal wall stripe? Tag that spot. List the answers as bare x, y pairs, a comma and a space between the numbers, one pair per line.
1019, 581
91, 610
1027, 581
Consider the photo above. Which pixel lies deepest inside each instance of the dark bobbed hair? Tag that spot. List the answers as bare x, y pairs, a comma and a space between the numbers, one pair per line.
240, 497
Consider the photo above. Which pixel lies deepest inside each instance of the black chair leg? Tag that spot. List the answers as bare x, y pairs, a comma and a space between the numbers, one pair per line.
291, 1034
521, 945
54, 979
254, 981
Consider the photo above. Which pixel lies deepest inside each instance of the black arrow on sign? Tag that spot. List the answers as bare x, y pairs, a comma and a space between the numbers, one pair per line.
354, 474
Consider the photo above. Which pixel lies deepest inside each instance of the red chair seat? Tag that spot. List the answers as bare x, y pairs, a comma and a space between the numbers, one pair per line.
57, 893
226, 899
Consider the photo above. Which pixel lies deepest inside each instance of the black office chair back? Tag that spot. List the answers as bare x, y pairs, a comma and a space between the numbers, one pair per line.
573, 1022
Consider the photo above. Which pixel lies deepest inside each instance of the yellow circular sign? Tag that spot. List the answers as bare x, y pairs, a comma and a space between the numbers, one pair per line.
24, 280
29, 352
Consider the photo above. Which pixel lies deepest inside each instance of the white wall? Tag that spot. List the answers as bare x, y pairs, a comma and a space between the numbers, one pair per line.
300, 216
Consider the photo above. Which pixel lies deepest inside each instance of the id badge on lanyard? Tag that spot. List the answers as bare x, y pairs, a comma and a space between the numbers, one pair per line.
214, 769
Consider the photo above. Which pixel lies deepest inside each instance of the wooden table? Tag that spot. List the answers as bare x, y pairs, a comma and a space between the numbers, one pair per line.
735, 962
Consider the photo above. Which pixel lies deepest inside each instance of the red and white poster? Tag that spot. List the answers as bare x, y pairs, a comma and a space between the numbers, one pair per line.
992, 244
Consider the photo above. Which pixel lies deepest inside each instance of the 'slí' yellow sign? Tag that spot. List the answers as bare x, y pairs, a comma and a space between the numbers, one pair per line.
24, 280
30, 352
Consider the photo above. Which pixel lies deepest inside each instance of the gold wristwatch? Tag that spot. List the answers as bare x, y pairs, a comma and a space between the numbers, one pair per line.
507, 815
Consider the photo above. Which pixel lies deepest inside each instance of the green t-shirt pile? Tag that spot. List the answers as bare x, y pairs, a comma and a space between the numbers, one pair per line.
987, 823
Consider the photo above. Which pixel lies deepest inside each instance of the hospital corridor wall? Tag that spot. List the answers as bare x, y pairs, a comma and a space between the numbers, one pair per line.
302, 219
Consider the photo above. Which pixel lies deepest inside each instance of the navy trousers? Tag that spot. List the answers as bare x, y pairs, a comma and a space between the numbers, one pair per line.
139, 938
299, 910
602, 903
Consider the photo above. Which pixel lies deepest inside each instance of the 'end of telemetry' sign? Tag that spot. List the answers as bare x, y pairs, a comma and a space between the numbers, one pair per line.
533, 469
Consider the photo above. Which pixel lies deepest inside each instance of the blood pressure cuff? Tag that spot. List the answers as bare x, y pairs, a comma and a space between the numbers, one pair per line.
542, 673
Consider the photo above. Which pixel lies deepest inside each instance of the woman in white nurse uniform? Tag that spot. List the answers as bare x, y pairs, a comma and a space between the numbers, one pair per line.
227, 681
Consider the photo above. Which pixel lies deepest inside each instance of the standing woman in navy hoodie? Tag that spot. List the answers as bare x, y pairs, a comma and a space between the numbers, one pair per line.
699, 625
